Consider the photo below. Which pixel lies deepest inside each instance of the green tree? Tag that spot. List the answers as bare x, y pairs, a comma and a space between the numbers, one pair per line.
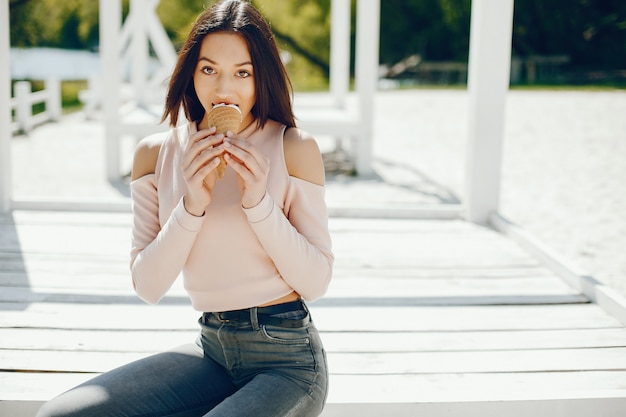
591, 32
177, 17
434, 29
68, 24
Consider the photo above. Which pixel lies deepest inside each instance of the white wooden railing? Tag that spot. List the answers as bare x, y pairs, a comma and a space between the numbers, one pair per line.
25, 98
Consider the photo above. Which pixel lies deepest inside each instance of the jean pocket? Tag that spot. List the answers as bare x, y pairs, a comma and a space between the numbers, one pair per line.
286, 336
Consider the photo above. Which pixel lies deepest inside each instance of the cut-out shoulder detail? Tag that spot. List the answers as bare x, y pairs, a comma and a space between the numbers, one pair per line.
313, 185
303, 157
146, 155
148, 178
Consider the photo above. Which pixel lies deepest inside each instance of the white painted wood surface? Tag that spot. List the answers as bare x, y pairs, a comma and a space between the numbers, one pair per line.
366, 78
339, 77
24, 100
110, 23
422, 316
488, 82
5, 109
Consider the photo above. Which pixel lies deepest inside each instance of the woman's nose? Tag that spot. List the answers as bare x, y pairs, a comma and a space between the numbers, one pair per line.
224, 87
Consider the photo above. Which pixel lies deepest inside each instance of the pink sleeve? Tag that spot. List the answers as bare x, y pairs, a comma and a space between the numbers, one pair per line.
158, 254
297, 239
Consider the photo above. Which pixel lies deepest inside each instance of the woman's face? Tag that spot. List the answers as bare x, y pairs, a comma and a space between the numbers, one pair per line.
224, 74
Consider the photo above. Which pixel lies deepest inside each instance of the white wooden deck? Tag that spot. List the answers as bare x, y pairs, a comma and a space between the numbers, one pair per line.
424, 317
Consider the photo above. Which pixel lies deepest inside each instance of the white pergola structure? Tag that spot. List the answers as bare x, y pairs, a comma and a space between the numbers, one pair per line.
5, 110
488, 81
128, 44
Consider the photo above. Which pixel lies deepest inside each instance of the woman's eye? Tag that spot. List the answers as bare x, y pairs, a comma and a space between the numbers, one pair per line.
207, 70
243, 73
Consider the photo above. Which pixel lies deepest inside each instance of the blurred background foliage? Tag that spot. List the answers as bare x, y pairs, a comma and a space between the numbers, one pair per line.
590, 35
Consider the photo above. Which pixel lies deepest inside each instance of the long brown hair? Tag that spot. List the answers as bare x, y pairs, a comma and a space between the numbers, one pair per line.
273, 87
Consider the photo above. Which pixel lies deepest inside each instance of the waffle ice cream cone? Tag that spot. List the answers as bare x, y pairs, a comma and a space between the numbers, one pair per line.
224, 117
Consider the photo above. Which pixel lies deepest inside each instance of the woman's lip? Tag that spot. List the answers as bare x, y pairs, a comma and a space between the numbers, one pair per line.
225, 104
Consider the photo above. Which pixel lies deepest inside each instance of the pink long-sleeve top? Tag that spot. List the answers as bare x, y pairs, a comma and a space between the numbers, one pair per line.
230, 258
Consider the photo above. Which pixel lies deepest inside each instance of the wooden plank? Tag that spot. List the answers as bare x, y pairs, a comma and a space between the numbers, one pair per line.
442, 272
568, 407
351, 342
472, 341
381, 363
394, 287
455, 300
404, 363
79, 295
62, 239
65, 272
449, 291
361, 249
148, 341
450, 388
42, 217
462, 318
29, 218
400, 389
471, 246
38, 267
328, 318
414, 249
596, 406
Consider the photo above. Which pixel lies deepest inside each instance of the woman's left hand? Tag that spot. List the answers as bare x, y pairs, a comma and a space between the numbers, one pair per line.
252, 167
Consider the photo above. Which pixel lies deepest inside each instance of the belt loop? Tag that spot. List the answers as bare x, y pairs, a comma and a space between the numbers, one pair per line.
254, 318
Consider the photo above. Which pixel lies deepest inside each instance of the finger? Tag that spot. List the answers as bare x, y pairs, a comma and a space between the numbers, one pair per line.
246, 154
211, 166
204, 158
199, 141
197, 178
200, 146
239, 167
246, 146
200, 134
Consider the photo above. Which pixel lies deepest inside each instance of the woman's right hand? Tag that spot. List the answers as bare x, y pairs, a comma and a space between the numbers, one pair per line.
200, 161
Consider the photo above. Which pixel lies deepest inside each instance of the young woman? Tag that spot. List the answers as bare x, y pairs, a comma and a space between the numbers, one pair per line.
250, 246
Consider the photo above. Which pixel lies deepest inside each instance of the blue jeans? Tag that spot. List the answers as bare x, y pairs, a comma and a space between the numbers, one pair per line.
246, 366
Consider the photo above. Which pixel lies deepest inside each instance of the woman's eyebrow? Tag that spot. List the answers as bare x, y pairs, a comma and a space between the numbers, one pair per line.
203, 58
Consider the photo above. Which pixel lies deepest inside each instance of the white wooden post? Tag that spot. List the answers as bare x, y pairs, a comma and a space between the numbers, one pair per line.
110, 22
163, 48
488, 83
340, 51
53, 102
23, 106
92, 96
367, 42
140, 49
5, 110
339, 77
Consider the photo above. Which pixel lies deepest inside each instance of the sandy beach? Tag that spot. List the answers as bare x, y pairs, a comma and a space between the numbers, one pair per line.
563, 172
